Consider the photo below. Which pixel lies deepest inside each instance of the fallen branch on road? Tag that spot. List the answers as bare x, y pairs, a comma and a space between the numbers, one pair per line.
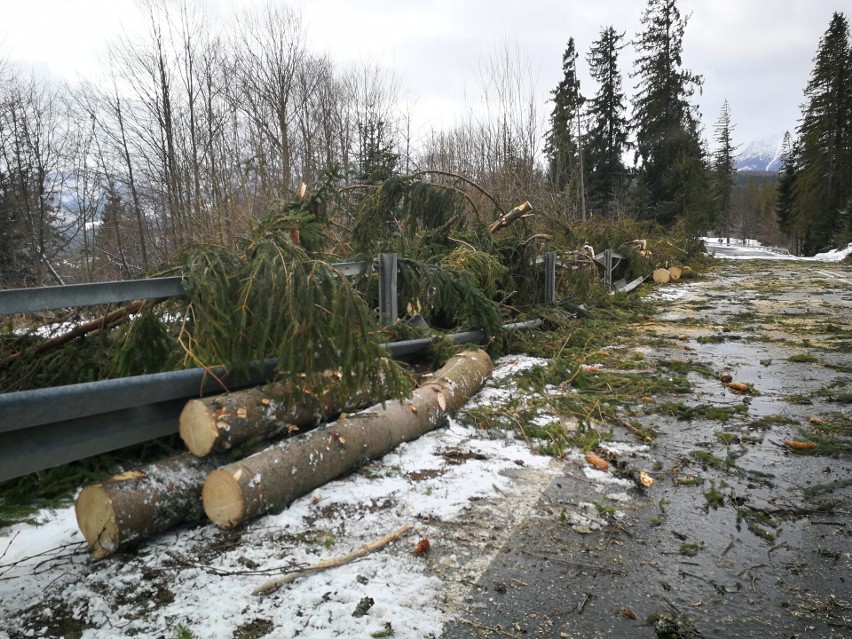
274, 584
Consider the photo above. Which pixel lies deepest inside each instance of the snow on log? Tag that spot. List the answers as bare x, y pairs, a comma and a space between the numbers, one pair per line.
221, 422
273, 478
142, 502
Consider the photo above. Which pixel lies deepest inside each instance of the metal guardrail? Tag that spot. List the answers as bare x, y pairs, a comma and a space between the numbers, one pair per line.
29, 300
47, 427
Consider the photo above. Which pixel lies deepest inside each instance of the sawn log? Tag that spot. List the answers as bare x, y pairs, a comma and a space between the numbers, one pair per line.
142, 502
222, 422
271, 479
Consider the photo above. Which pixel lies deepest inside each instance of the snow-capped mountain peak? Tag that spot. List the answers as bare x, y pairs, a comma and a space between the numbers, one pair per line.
762, 155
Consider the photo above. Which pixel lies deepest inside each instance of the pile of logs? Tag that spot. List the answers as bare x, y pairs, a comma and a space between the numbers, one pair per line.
184, 488
670, 274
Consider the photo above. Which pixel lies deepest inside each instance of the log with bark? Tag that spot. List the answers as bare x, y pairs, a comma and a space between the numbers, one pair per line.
271, 479
222, 422
143, 502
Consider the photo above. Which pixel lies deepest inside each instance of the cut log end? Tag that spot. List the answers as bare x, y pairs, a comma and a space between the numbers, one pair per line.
224, 502
96, 519
661, 276
198, 428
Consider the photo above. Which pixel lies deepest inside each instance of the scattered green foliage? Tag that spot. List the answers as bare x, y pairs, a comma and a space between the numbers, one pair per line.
803, 358
688, 480
182, 632
820, 489
329, 539
758, 522
605, 510
683, 412
710, 460
387, 631
714, 497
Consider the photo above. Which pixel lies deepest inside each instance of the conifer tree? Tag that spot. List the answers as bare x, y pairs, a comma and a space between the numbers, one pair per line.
786, 185
561, 145
724, 168
823, 187
607, 136
375, 157
672, 172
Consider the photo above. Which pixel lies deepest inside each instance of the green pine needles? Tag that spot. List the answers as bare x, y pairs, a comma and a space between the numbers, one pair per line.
269, 298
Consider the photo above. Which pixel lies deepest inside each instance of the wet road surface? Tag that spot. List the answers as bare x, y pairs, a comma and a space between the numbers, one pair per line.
739, 536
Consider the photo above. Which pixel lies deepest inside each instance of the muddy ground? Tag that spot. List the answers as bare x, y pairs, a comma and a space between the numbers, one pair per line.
739, 536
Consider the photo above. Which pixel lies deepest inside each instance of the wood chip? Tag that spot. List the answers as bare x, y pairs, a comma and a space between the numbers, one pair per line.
797, 445
739, 387
442, 401
597, 462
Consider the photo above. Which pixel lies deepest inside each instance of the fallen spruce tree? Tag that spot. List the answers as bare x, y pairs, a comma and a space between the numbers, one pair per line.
146, 501
271, 479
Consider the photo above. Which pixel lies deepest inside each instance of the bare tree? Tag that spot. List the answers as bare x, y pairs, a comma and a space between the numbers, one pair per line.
270, 52
32, 135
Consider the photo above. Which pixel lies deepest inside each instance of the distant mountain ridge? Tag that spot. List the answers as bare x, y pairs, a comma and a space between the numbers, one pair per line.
762, 155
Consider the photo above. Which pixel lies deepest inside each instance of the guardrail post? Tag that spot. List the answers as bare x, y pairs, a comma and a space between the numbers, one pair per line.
388, 310
608, 268
550, 277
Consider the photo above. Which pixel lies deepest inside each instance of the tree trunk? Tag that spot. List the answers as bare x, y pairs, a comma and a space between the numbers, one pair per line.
273, 478
143, 502
517, 212
219, 423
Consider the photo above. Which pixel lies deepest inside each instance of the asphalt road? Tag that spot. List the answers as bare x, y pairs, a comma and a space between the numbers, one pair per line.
771, 558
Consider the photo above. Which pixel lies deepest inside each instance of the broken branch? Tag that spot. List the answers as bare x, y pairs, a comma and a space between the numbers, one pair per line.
274, 584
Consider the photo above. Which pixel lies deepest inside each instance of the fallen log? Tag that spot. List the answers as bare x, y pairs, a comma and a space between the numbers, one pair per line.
142, 502
271, 479
222, 422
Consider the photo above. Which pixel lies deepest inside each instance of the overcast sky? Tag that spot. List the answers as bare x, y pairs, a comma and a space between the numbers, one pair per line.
757, 54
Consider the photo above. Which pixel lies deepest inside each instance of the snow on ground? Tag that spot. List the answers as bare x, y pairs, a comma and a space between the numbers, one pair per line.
752, 249
201, 578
